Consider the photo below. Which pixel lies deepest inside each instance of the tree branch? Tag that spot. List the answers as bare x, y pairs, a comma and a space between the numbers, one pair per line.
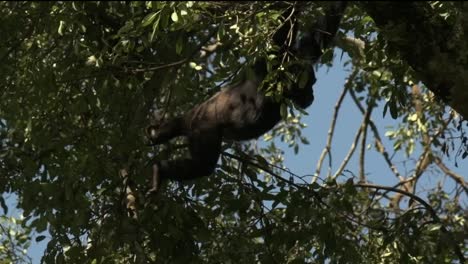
350, 152
365, 123
331, 130
378, 140
457, 178
330, 133
431, 45
428, 207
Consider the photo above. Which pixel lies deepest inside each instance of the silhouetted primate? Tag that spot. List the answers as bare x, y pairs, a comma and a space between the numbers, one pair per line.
242, 112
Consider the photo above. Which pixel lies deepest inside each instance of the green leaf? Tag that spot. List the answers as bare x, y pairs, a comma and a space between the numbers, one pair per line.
179, 45
174, 16
284, 111
40, 238
61, 27
327, 56
261, 160
155, 27
149, 19
3, 204
434, 227
165, 14
385, 109
303, 78
393, 109
127, 27
40, 224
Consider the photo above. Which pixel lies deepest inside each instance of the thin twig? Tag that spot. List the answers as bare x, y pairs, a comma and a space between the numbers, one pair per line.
297, 186
275, 175
164, 66
362, 176
427, 158
458, 178
378, 140
331, 130
428, 207
350, 152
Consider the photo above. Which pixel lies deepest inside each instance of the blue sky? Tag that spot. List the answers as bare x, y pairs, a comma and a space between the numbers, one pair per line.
330, 82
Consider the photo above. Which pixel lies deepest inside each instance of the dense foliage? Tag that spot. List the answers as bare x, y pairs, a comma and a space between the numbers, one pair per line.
80, 80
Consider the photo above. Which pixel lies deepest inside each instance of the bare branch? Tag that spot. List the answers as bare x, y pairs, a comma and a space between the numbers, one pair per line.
362, 176
378, 140
350, 152
331, 130
458, 178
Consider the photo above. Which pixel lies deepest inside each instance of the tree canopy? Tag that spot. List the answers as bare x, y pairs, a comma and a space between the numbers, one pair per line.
82, 79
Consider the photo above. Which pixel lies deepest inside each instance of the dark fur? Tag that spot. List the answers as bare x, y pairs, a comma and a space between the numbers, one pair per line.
239, 112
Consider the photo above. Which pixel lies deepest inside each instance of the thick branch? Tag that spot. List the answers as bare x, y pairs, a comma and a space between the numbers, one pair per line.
429, 44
